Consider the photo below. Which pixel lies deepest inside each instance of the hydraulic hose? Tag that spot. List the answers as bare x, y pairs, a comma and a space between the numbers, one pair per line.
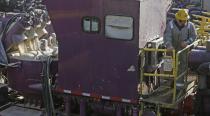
46, 85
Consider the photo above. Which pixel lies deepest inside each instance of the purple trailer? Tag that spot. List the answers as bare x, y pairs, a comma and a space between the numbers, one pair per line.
99, 42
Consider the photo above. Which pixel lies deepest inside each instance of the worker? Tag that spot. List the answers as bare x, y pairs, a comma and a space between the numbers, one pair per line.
179, 33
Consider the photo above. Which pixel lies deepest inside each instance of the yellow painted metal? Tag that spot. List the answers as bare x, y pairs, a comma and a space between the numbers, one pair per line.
174, 76
206, 13
158, 75
142, 109
203, 26
142, 70
158, 110
156, 50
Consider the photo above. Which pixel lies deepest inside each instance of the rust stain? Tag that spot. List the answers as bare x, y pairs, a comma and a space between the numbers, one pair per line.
66, 14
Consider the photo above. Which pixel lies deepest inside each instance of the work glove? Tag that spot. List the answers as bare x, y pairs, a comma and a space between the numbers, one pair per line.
183, 44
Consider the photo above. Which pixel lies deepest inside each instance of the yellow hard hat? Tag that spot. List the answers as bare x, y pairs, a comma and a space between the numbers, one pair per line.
182, 14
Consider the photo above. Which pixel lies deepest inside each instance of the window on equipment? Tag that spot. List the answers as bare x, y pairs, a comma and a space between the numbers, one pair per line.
90, 24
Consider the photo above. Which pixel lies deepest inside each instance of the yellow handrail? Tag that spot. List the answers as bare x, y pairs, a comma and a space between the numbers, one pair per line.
175, 59
203, 27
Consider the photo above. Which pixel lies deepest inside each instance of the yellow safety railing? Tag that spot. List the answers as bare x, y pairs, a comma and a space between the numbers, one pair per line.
143, 51
203, 27
175, 72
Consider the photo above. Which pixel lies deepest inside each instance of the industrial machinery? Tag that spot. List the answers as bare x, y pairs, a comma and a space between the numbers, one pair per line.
92, 58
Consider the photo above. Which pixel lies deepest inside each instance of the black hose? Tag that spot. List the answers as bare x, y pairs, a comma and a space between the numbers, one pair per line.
46, 85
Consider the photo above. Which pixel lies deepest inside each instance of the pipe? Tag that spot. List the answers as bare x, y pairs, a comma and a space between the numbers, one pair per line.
82, 107
67, 105
119, 111
46, 86
198, 57
135, 112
